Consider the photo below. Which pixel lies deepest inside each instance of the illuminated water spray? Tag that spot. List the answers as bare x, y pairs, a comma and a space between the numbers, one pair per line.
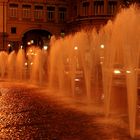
88, 64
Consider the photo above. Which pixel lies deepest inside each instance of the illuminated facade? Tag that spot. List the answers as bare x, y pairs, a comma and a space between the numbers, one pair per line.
89, 13
22, 18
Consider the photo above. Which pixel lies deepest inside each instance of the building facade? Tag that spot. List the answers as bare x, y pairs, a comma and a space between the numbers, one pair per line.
36, 20
94, 13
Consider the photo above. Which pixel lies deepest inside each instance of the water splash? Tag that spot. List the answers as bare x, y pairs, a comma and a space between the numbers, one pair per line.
88, 64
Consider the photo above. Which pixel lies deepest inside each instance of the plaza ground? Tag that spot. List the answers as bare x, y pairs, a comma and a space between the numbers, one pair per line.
33, 113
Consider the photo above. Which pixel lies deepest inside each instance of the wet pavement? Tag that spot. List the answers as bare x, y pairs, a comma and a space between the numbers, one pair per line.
26, 113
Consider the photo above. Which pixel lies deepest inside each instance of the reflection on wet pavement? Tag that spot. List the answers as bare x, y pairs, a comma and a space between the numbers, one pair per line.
28, 114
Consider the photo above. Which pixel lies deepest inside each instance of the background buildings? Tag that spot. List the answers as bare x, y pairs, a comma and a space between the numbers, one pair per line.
26, 22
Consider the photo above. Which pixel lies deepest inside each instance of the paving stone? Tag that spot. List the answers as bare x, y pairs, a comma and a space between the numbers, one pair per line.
28, 114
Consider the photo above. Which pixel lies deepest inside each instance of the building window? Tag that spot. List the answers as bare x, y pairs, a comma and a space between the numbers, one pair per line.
85, 8
13, 10
38, 13
98, 7
50, 13
13, 30
26, 11
62, 14
112, 7
75, 11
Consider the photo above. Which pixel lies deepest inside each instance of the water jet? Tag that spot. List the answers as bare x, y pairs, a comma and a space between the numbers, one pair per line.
93, 64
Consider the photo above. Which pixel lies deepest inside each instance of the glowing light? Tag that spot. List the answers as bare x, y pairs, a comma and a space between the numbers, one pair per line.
128, 71
32, 41
102, 46
29, 43
62, 34
117, 71
45, 47
101, 57
77, 80
26, 64
101, 60
9, 45
68, 60
75, 48
66, 72
31, 63
102, 97
21, 46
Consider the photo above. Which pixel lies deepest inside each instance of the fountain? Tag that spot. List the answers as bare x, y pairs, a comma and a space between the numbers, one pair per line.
3, 62
11, 65
88, 64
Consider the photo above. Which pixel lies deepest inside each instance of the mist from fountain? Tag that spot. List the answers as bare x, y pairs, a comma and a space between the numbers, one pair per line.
84, 63
3, 63
37, 70
95, 56
124, 49
11, 65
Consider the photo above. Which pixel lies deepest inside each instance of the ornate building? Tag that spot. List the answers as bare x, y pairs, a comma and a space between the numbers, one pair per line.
36, 20
89, 13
